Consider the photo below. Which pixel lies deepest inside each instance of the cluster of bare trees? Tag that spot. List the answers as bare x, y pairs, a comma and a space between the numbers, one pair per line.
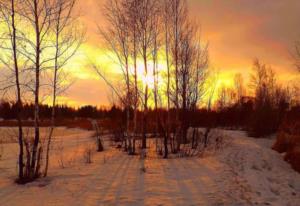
266, 104
38, 37
271, 100
161, 36
228, 96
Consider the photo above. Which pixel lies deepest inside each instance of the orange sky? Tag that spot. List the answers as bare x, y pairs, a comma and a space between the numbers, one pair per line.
237, 32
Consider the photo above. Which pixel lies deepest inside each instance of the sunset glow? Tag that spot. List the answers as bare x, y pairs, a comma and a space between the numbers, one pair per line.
235, 39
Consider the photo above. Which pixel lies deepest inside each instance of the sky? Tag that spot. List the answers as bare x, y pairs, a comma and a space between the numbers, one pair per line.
237, 31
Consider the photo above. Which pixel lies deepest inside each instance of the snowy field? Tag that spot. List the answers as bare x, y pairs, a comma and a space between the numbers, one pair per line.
246, 172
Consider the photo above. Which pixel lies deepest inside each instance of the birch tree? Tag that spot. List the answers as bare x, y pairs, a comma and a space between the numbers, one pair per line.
132, 11
155, 50
167, 27
148, 10
67, 39
38, 16
117, 38
239, 87
29, 41
176, 14
193, 60
187, 59
9, 44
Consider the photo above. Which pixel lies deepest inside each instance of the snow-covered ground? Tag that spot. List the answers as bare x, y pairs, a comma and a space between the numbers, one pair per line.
245, 172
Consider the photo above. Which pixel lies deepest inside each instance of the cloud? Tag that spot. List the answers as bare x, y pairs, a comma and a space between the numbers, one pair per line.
237, 31
240, 30
87, 92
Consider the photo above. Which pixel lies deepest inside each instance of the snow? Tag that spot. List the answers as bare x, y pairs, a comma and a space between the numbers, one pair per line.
245, 172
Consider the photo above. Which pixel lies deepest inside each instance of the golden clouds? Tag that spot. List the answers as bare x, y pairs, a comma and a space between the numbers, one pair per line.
237, 31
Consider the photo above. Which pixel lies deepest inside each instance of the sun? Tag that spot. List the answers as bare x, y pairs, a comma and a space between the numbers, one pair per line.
146, 79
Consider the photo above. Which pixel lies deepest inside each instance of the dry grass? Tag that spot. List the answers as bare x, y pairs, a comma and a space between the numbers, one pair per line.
88, 154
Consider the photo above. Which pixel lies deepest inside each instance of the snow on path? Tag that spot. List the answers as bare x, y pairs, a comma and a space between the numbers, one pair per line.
260, 172
247, 172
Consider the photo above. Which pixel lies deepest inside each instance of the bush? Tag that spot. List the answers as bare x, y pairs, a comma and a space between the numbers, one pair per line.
288, 140
293, 157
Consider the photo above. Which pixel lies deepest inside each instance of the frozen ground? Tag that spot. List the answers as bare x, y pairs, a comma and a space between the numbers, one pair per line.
246, 172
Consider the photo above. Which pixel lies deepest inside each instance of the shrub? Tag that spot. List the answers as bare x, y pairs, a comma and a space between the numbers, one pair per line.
288, 140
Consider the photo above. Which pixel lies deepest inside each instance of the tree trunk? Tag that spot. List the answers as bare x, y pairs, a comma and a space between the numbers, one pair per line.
167, 136
19, 101
37, 91
53, 102
144, 140
135, 90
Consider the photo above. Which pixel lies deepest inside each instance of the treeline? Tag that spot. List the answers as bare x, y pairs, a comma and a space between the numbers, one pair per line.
9, 111
263, 112
246, 114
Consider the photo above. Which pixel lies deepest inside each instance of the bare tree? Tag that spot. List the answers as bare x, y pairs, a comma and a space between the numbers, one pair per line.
212, 85
227, 97
67, 40
199, 73
132, 10
176, 11
178, 15
30, 44
188, 59
39, 16
263, 84
167, 34
148, 10
117, 37
8, 14
262, 81
239, 87
222, 98
193, 60
155, 50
